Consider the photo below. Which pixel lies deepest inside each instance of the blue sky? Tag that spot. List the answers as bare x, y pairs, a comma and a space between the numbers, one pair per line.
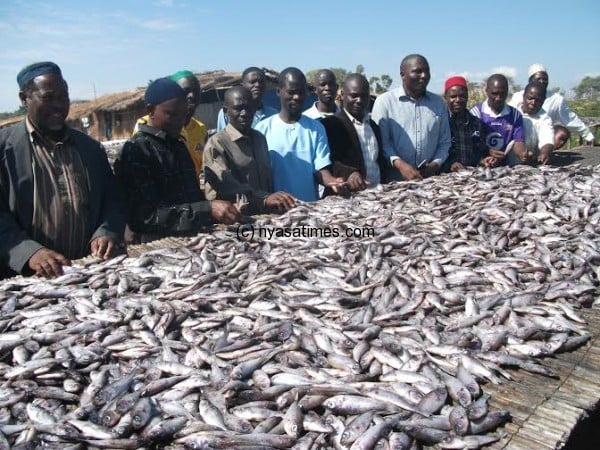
109, 46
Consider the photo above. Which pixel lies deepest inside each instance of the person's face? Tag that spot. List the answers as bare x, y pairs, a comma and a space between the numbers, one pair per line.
533, 99
255, 83
456, 98
292, 95
48, 103
326, 87
240, 111
415, 77
170, 115
497, 91
541, 77
560, 139
191, 88
355, 97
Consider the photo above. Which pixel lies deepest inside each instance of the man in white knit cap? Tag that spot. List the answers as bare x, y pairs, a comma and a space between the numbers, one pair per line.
555, 106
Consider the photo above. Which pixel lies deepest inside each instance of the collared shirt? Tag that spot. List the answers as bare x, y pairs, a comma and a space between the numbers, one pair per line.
467, 146
193, 135
500, 129
297, 152
236, 164
559, 112
538, 131
414, 130
369, 147
260, 114
60, 195
156, 173
314, 113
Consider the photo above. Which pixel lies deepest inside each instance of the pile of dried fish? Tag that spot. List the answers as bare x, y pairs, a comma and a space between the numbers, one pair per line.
380, 340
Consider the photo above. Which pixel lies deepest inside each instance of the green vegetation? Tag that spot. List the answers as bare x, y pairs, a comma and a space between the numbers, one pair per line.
588, 89
378, 84
8, 115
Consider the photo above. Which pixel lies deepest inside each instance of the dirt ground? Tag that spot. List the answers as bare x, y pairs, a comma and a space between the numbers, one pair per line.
586, 156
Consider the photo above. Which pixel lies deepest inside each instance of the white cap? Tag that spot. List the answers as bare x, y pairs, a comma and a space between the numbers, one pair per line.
535, 68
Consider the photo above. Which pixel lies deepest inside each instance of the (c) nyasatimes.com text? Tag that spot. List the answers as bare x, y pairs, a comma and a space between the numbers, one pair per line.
249, 232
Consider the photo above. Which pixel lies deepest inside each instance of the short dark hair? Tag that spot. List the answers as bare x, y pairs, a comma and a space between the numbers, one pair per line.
536, 85
560, 127
239, 89
356, 76
247, 71
496, 77
289, 72
410, 57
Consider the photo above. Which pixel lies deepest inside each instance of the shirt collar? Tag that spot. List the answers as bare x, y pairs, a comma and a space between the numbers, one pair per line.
485, 108
36, 134
403, 96
234, 133
353, 119
468, 117
156, 132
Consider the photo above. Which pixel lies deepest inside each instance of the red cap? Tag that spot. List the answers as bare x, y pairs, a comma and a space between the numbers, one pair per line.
455, 81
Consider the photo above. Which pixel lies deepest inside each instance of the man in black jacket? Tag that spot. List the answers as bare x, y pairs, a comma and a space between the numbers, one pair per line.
156, 173
354, 139
57, 196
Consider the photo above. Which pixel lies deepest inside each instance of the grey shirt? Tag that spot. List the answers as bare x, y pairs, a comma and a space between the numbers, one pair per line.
414, 130
235, 165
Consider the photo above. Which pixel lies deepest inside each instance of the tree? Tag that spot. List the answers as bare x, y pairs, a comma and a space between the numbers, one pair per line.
476, 93
588, 89
339, 73
378, 84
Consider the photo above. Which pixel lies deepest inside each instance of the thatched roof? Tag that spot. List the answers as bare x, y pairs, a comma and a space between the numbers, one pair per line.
10, 121
212, 80
121, 101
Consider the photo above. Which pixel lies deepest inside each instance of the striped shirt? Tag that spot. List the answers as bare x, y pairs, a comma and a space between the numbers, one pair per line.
60, 195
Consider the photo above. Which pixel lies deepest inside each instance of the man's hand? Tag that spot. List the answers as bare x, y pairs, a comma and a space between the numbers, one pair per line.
103, 247
407, 171
280, 200
545, 154
356, 182
224, 212
490, 161
47, 263
456, 167
337, 185
498, 154
429, 169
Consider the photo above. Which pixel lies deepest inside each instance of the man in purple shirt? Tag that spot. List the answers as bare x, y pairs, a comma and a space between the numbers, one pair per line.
502, 124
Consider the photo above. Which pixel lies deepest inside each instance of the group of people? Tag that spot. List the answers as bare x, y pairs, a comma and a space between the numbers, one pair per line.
60, 200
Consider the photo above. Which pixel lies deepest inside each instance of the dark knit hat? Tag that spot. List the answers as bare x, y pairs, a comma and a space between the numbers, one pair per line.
35, 70
161, 90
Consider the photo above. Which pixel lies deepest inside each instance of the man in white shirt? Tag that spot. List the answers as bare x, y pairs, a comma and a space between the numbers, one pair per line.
555, 106
354, 139
539, 134
326, 89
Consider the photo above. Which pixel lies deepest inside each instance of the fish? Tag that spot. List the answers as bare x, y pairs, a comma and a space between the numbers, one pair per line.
385, 336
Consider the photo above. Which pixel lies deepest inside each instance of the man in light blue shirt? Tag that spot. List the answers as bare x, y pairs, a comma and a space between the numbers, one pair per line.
298, 146
254, 80
414, 124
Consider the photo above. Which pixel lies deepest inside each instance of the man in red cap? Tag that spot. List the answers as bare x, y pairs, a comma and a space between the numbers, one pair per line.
466, 148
